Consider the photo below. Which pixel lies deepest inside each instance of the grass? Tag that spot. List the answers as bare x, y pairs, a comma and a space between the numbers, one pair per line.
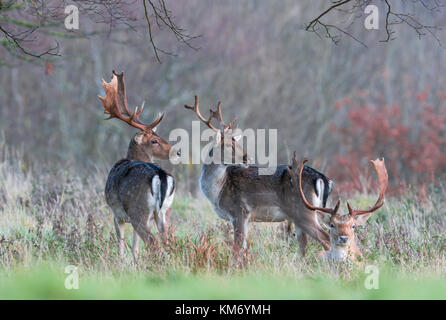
50, 219
48, 283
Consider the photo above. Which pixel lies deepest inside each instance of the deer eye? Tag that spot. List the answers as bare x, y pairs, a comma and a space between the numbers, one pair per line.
353, 226
154, 141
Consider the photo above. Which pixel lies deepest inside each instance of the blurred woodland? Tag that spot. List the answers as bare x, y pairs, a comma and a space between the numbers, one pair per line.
338, 101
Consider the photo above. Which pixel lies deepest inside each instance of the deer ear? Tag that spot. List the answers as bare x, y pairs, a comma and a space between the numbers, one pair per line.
139, 137
361, 219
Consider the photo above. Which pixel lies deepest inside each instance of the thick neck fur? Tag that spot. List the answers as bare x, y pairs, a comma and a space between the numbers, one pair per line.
213, 173
338, 252
342, 253
212, 179
137, 152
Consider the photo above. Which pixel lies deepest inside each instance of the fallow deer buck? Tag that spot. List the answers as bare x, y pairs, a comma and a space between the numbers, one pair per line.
342, 227
238, 193
137, 190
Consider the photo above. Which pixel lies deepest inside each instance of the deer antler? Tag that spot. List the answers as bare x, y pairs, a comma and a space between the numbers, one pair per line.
115, 104
212, 114
217, 115
383, 180
196, 109
298, 168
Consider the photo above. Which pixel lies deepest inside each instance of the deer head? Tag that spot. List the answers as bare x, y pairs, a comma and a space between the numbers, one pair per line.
342, 226
146, 144
225, 141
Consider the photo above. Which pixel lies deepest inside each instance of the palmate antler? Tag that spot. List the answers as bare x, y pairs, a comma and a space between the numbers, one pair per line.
212, 115
383, 180
297, 168
115, 104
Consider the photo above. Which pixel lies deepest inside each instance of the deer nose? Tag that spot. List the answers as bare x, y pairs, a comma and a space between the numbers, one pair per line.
343, 239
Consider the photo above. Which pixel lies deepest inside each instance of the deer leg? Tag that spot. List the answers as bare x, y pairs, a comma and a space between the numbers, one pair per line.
302, 239
161, 220
314, 230
241, 230
119, 227
135, 245
142, 228
240, 224
289, 227
167, 227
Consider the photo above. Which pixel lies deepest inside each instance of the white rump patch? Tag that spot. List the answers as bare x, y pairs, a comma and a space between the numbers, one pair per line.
319, 195
330, 185
170, 185
156, 191
167, 203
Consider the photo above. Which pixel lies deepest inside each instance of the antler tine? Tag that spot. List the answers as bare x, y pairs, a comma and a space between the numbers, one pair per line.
156, 122
115, 104
212, 114
295, 164
383, 181
138, 113
218, 115
196, 109
297, 186
229, 126
122, 98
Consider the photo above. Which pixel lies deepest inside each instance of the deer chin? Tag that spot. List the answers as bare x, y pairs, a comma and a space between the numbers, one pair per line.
338, 252
342, 245
155, 156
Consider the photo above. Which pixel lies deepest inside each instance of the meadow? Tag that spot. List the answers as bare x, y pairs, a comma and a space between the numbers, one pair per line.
54, 217
338, 105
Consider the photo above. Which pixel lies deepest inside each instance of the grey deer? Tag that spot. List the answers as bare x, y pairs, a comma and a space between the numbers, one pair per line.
137, 190
239, 194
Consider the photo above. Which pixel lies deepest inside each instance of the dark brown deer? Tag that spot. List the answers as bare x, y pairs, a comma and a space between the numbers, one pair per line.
137, 190
342, 227
239, 194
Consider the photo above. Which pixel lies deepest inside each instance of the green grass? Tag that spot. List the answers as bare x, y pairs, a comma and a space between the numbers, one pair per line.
51, 220
47, 282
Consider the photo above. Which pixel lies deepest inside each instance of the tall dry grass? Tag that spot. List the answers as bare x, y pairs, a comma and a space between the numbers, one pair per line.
59, 215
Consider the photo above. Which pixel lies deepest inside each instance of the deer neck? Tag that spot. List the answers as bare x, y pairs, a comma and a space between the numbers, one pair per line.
213, 174
212, 179
354, 251
338, 252
342, 253
137, 152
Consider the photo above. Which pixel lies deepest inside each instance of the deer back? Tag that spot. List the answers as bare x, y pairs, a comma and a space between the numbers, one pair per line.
272, 196
138, 185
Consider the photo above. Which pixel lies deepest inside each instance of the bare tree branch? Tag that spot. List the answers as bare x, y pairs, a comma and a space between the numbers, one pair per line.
393, 18
26, 26
163, 17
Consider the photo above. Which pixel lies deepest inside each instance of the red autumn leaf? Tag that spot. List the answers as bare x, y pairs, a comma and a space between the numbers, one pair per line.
48, 68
